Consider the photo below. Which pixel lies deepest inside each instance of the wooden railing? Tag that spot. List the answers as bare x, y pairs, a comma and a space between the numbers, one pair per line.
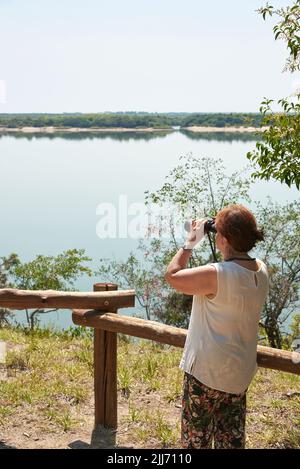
98, 310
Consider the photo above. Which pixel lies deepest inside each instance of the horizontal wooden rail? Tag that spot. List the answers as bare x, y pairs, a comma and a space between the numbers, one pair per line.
131, 326
102, 301
267, 357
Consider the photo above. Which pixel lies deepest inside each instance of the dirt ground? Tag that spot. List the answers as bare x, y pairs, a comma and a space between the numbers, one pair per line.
26, 429
29, 431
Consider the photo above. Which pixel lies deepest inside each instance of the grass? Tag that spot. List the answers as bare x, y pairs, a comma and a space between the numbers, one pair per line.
62, 418
48, 381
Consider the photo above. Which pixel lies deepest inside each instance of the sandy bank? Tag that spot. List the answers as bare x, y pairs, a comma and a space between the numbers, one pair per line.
225, 129
50, 130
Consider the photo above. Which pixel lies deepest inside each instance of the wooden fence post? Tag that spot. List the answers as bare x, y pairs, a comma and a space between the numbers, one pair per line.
105, 381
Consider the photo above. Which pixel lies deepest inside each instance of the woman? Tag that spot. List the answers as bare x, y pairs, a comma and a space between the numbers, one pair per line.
219, 357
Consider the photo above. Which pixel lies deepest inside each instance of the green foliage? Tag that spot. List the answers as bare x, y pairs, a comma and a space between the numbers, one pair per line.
7, 264
144, 278
125, 381
44, 273
199, 187
295, 329
281, 253
90, 121
287, 29
62, 417
278, 154
50, 272
175, 309
196, 187
133, 120
78, 332
222, 120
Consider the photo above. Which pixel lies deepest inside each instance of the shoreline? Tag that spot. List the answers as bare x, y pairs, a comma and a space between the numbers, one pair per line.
225, 129
202, 129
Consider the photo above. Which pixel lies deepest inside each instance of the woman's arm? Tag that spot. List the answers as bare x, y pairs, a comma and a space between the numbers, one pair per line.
195, 281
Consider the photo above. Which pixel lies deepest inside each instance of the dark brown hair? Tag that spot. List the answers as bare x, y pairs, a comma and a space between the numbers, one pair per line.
238, 225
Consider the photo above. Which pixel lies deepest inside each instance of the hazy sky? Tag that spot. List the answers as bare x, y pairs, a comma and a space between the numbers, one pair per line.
139, 55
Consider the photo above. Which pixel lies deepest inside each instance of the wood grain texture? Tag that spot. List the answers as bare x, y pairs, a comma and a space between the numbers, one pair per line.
43, 299
105, 371
267, 357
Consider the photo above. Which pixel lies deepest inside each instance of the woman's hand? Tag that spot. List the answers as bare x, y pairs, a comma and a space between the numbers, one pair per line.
196, 280
196, 233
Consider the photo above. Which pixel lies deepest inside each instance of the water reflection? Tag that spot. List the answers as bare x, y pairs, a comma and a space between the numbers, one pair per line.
137, 135
118, 136
222, 136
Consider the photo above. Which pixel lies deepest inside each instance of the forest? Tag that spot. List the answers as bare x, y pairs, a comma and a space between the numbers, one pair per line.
130, 120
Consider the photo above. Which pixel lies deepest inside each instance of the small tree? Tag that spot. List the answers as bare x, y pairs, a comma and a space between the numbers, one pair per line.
199, 186
278, 154
7, 265
196, 187
43, 273
281, 253
145, 277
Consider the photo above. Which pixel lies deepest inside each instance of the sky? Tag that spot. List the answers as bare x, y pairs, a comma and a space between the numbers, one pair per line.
139, 55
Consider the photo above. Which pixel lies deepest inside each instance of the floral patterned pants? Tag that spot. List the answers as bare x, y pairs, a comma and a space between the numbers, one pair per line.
209, 415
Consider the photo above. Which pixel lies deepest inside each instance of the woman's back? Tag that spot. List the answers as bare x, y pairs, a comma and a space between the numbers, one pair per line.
220, 349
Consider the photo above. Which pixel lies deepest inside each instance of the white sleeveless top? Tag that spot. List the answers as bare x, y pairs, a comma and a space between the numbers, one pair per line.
221, 344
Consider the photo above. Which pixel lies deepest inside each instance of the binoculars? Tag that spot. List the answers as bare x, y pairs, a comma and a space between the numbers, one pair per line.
209, 226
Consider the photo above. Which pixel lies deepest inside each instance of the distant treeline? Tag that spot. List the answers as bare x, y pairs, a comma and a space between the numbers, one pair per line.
130, 120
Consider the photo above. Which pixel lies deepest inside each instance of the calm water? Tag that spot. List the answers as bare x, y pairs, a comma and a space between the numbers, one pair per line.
51, 186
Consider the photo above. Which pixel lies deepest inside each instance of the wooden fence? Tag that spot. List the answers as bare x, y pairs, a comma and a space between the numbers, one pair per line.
98, 310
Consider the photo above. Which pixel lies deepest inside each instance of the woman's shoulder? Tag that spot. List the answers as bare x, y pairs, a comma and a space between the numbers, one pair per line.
225, 266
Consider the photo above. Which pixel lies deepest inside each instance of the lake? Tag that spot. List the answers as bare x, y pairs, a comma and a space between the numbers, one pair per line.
52, 184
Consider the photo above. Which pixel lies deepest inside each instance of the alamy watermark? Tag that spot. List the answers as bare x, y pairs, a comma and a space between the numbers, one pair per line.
2, 92
296, 351
295, 87
2, 352
139, 220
